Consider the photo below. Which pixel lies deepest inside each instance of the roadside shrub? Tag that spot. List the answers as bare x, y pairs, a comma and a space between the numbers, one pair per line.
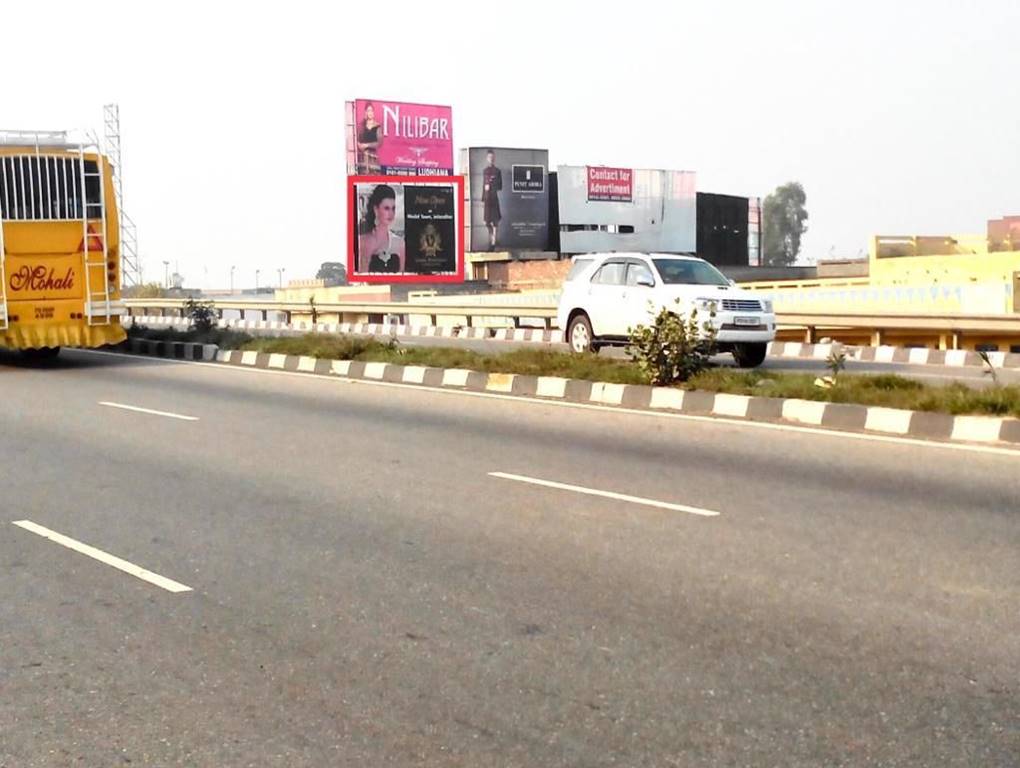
201, 314
989, 369
836, 363
672, 348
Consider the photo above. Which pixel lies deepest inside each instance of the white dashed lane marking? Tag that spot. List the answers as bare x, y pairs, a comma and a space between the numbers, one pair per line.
104, 557
607, 494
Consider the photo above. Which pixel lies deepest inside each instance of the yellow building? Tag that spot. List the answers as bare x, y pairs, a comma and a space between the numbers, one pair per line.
944, 276
955, 274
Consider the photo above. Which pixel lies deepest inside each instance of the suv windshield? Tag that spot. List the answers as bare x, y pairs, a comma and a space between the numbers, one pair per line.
577, 268
689, 272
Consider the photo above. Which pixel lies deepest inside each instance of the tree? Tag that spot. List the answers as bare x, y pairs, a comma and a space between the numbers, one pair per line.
333, 272
785, 223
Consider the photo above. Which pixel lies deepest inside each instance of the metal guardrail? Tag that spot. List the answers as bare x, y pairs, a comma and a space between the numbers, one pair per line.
945, 330
353, 309
904, 321
814, 282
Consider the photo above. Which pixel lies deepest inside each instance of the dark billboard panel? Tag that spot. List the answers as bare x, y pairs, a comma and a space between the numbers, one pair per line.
395, 138
431, 229
724, 234
405, 229
509, 196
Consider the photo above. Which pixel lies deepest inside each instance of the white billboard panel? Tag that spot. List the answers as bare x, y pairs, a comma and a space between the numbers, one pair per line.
596, 215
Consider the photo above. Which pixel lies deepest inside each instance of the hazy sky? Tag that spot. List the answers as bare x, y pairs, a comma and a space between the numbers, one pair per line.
899, 117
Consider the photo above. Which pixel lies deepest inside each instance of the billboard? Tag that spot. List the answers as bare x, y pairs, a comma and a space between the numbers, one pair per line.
395, 138
405, 229
728, 229
626, 209
508, 190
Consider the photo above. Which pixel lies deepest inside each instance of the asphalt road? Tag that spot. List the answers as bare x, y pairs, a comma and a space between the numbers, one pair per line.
365, 592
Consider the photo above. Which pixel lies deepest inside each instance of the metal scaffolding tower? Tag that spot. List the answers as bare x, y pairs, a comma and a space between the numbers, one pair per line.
131, 266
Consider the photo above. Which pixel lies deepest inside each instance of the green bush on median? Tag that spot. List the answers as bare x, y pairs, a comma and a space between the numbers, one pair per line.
672, 348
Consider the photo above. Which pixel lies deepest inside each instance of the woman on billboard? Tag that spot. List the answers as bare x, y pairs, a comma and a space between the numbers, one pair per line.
379, 249
492, 185
368, 142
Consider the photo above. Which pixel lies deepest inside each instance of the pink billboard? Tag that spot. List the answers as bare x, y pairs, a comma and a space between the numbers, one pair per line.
395, 138
612, 185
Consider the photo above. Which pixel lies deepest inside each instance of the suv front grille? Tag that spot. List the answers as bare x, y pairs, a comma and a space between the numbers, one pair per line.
741, 305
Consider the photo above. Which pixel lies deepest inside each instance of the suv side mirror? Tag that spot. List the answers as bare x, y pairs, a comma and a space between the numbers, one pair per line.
646, 281
732, 281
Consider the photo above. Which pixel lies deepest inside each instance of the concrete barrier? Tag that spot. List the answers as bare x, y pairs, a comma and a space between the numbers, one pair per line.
177, 350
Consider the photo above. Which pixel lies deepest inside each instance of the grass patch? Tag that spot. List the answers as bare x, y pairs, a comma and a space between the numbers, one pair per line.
528, 362
885, 390
322, 345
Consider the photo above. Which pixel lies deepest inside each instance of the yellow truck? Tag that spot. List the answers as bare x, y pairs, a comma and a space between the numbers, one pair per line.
59, 244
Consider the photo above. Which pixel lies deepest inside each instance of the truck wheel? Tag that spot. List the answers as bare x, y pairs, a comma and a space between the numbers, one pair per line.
579, 335
41, 353
749, 355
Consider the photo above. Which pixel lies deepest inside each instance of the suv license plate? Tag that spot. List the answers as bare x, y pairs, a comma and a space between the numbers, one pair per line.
746, 321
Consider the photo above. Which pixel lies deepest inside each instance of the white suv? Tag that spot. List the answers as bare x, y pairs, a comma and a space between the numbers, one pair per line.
605, 295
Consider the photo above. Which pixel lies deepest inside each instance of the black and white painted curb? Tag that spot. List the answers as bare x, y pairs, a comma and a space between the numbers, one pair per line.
836, 416
178, 350
956, 358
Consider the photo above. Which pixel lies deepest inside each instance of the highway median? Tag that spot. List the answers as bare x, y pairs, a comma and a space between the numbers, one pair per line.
884, 390
883, 403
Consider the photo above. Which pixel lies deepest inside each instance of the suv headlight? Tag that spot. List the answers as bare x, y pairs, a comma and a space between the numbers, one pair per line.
706, 305
766, 306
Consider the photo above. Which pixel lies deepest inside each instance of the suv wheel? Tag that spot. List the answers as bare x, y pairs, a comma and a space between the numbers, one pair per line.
579, 335
749, 355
